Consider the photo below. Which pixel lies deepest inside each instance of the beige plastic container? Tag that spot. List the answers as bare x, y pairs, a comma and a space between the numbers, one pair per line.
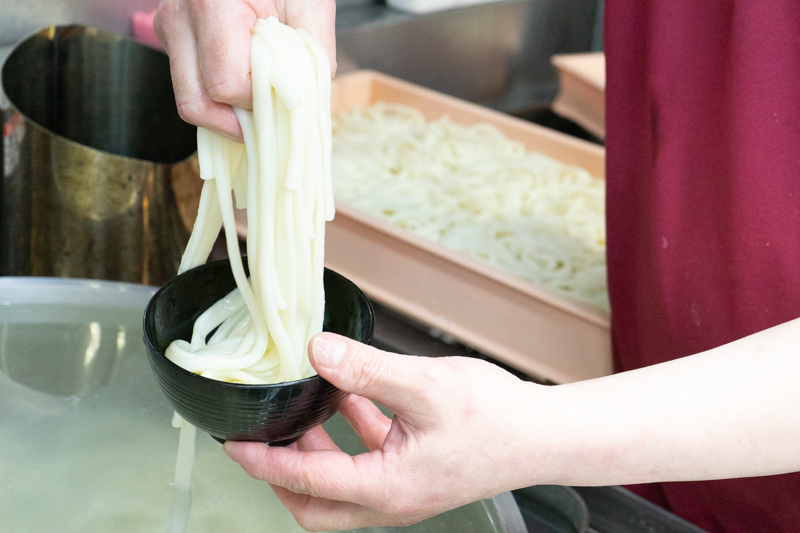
525, 326
582, 90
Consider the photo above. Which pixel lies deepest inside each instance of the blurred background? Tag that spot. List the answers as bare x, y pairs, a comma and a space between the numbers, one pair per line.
495, 53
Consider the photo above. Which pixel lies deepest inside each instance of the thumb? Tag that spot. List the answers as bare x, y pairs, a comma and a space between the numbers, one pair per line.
391, 379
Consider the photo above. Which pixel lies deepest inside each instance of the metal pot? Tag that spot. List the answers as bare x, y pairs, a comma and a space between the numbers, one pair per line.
93, 150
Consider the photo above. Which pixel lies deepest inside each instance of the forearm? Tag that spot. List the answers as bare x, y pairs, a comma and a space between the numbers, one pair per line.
459, 422
730, 412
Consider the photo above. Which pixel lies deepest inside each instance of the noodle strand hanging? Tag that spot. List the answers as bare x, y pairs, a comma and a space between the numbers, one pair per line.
259, 332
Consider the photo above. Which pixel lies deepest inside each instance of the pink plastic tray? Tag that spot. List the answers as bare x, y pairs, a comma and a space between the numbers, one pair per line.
525, 326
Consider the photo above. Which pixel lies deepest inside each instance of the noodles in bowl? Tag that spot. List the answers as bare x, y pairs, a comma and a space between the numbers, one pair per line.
282, 176
245, 324
276, 413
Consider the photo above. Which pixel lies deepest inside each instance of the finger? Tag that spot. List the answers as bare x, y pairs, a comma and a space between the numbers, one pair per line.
316, 439
403, 383
158, 26
223, 31
328, 474
320, 514
191, 98
369, 423
318, 18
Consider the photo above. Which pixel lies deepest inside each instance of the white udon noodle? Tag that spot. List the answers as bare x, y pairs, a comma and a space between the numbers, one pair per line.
473, 190
282, 176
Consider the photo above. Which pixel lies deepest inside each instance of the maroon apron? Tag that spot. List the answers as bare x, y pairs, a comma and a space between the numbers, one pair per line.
703, 171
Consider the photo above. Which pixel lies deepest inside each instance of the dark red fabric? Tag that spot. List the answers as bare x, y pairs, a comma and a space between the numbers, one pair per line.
703, 172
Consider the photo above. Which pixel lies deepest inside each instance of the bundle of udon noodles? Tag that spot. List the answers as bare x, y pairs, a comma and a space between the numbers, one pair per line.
476, 191
259, 332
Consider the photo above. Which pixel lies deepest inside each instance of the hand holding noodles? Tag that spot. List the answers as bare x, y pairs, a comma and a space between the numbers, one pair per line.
208, 45
282, 176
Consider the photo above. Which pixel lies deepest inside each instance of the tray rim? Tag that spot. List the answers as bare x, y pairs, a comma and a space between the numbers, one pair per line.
585, 311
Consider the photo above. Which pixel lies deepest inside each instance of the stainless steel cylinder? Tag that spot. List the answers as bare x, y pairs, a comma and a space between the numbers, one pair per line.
92, 150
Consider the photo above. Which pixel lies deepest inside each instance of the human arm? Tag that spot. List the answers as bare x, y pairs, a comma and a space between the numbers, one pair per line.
729, 412
208, 43
464, 429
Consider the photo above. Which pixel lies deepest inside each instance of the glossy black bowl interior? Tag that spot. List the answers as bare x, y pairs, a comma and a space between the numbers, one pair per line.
279, 413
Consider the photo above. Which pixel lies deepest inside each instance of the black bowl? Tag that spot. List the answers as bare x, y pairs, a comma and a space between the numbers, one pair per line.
280, 413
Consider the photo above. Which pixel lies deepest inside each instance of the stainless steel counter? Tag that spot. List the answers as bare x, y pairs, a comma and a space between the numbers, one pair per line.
496, 54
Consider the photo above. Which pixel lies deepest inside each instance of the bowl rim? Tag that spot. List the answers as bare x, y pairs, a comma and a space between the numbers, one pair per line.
243, 386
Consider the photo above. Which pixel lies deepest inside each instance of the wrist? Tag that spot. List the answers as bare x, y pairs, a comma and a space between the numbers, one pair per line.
572, 438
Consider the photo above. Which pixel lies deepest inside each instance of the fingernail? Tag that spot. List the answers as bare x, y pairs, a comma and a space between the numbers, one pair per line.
328, 351
226, 447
